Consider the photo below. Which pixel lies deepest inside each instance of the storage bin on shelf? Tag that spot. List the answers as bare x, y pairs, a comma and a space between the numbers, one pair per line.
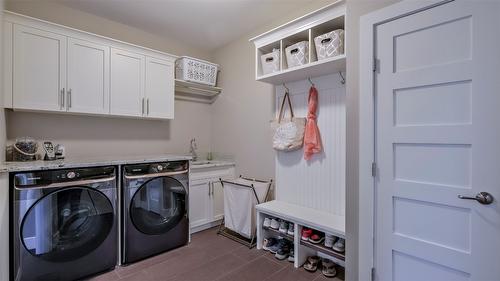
297, 54
196, 70
330, 44
270, 62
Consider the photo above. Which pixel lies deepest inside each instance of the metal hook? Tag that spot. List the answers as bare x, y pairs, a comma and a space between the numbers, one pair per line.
310, 81
342, 78
284, 86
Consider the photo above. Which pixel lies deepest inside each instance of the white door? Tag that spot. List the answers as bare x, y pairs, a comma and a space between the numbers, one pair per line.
39, 74
217, 196
88, 77
127, 83
199, 203
159, 88
437, 137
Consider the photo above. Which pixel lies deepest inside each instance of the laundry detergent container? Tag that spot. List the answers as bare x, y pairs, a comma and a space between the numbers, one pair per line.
330, 44
297, 54
270, 62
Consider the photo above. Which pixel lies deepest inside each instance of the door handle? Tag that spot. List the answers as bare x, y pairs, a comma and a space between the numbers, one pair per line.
209, 188
61, 98
142, 106
147, 103
482, 197
69, 98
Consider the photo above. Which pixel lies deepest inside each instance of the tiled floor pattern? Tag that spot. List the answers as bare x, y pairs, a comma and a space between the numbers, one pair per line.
211, 257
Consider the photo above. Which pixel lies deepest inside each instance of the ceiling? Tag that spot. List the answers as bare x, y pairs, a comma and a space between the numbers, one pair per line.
204, 24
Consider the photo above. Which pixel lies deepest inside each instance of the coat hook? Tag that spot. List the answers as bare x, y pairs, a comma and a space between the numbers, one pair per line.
342, 77
284, 86
310, 81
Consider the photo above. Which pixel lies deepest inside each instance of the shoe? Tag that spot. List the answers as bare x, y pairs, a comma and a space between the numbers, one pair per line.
275, 247
306, 233
291, 229
317, 238
328, 268
291, 256
283, 226
329, 240
267, 222
284, 250
311, 264
274, 223
339, 246
269, 242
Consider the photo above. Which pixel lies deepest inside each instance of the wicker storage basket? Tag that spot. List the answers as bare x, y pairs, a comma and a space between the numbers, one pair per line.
297, 54
196, 70
330, 44
270, 62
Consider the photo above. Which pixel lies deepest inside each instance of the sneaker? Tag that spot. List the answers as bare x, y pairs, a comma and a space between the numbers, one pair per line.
275, 224
275, 247
268, 243
311, 264
291, 256
284, 250
283, 226
328, 268
267, 222
339, 246
317, 238
329, 240
306, 233
291, 229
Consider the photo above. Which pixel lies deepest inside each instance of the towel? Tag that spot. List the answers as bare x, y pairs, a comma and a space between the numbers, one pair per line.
312, 139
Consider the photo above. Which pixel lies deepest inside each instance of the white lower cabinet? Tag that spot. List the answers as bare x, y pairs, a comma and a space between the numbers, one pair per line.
206, 196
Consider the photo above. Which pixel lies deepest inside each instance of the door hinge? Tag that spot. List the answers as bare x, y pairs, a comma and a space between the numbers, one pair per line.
376, 64
374, 169
373, 274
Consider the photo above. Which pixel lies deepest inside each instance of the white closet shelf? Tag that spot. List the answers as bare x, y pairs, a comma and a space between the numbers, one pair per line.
322, 221
313, 69
190, 91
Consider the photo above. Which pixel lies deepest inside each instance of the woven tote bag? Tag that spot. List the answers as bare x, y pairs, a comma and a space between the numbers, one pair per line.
288, 133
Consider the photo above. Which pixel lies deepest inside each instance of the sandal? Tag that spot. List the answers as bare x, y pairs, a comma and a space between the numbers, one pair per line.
311, 264
328, 268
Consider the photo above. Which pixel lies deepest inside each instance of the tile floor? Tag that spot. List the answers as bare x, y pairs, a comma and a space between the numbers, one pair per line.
212, 257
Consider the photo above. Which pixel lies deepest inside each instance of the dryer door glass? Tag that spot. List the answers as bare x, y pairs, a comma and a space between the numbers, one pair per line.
158, 205
67, 224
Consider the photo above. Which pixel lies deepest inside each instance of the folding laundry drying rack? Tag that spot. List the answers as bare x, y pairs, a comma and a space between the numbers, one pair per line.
232, 234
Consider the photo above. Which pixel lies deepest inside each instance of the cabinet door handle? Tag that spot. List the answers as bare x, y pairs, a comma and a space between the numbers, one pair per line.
69, 98
213, 187
147, 102
209, 186
61, 98
142, 106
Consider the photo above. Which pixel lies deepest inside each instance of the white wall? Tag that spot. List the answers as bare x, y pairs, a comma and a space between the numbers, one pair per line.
88, 136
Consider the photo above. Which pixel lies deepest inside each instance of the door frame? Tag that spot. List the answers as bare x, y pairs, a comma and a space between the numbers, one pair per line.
368, 25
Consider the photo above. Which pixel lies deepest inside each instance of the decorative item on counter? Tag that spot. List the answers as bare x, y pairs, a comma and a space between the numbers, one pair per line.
312, 137
60, 151
288, 133
50, 153
24, 149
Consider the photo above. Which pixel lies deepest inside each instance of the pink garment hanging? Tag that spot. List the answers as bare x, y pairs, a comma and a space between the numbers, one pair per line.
312, 138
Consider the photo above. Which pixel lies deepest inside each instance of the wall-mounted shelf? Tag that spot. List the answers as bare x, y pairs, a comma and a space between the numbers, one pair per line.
306, 28
190, 91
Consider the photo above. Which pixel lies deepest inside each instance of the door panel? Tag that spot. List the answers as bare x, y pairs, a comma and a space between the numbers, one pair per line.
217, 200
437, 134
88, 77
199, 204
39, 69
159, 88
127, 83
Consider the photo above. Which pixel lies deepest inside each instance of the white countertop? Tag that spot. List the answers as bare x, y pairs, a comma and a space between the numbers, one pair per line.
211, 164
79, 162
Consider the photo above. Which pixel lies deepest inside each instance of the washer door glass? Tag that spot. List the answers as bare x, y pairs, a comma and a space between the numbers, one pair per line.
67, 224
158, 205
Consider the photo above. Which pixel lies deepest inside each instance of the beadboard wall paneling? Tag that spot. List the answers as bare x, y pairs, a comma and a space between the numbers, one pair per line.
320, 182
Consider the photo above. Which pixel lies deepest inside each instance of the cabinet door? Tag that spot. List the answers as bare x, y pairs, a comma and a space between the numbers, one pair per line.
127, 83
88, 77
199, 204
39, 69
217, 200
159, 88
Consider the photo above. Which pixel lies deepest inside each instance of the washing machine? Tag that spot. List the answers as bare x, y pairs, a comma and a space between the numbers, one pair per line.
155, 209
63, 223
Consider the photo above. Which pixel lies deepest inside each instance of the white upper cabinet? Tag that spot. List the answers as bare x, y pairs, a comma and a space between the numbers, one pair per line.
127, 83
49, 67
88, 77
159, 88
39, 69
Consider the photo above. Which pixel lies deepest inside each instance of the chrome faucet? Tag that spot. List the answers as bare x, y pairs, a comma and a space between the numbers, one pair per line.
192, 149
